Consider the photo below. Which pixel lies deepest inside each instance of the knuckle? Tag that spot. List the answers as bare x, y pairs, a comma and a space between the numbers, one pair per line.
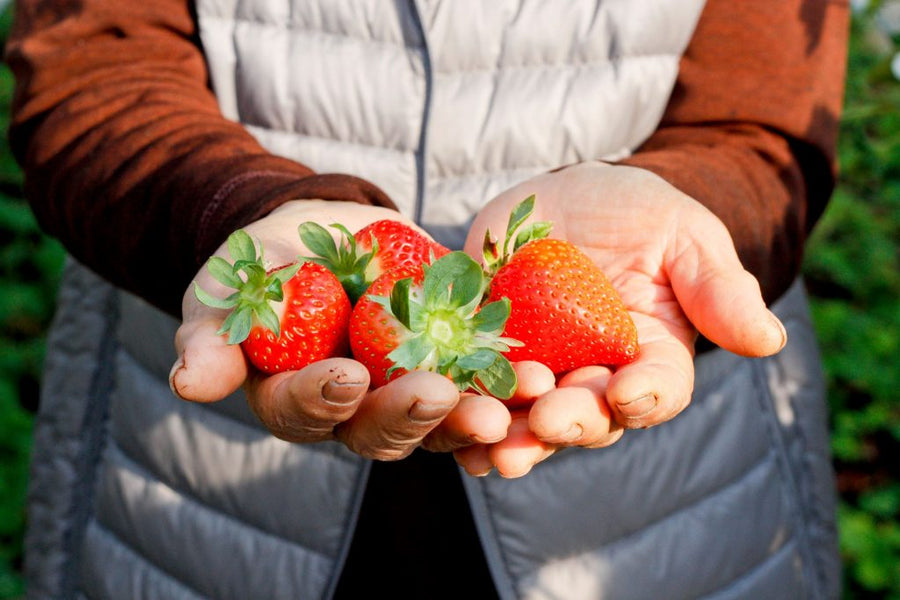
385, 446
382, 453
292, 429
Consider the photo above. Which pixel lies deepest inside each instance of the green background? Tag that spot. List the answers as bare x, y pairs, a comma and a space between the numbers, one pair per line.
851, 269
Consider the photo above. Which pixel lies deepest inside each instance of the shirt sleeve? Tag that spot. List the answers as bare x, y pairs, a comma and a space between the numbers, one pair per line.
127, 158
751, 127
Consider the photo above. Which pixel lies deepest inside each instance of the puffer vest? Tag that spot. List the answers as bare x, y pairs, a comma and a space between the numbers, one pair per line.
136, 494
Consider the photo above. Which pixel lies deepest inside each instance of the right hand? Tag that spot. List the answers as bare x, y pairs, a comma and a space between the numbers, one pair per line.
329, 399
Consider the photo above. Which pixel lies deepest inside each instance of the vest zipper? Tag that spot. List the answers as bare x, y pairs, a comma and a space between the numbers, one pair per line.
419, 202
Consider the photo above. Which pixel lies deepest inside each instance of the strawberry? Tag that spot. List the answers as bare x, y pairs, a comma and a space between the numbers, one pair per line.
359, 259
395, 244
564, 309
284, 318
430, 317
374, 330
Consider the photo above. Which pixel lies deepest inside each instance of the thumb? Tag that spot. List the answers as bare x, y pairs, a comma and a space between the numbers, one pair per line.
207, 368
721, 298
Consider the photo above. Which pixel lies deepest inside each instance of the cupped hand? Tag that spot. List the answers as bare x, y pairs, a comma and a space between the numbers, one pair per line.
329, 399
675, 266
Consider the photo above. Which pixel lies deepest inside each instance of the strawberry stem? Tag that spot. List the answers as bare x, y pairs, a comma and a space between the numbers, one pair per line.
496, 255
344, 258
255, 288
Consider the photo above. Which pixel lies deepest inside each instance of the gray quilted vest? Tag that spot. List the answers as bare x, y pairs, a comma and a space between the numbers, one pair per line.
136, 494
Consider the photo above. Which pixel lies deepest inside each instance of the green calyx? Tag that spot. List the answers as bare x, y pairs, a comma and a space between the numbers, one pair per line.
254, 288
449, 332
345, 259
496, 255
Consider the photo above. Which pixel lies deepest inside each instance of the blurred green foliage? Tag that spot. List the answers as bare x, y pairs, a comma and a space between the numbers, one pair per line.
851, 269
853, 273
30, 264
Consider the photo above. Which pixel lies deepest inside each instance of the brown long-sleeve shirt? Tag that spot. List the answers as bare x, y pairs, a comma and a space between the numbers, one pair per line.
130, 163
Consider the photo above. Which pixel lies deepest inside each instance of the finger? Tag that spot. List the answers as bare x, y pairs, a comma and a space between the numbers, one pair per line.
474, 460
534, 380
306, 405
519, 451
596, 379
207, 368
475, 420
395, 418
719, 297
573, 416
658, 385
576, 413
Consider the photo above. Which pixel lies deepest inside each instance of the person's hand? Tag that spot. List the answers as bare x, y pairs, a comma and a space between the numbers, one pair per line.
329, 399
676, 269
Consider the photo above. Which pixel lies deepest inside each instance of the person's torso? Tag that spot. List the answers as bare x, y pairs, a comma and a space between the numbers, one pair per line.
443, 104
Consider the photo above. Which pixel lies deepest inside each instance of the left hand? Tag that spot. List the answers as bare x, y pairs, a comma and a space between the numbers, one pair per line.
674, 264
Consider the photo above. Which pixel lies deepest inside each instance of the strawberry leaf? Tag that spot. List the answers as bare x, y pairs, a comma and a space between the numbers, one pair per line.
250, 267
238, 325
223, 271
498, 380
446, 332
495, 257
346, 235
490, 249
344, 259
534, 231
411, 354
255, 289
519, 214
492, 317
363, 261
317, 239
400, 299
284, 274
454, 280
274, 290
268, 318
478, 360
212, 301
241, 246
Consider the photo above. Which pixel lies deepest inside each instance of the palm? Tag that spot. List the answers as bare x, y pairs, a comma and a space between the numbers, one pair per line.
675, 267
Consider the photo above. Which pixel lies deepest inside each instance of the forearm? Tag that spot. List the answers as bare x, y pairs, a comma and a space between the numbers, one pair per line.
750, 130
127, 157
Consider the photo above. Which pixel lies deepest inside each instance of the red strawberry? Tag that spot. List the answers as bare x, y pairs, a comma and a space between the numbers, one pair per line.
359, 259
284, 318
395, 244
564, 309
430, 318
374, 331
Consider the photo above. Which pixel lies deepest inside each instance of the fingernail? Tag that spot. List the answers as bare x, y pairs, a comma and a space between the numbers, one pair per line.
483, 472
481, 439
516, 474
426, 412
179, 364
341, 393
640, 406
573, 433
777, 322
